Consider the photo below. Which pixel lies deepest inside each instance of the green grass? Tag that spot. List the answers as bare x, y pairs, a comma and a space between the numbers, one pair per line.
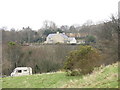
38, 81
104, 77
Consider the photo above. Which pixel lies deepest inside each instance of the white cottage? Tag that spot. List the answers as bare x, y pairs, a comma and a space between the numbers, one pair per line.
60, 38
57, 38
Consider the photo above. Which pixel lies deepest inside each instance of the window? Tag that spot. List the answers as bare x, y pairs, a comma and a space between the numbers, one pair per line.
25, 70
19, 71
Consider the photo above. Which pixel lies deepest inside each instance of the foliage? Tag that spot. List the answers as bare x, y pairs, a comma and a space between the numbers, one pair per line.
59, 30
82, 60
49, 31
43, 58
108, 40
90, 39
11, 43
12, 53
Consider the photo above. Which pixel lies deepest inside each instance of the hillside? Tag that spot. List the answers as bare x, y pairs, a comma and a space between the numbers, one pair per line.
104, 77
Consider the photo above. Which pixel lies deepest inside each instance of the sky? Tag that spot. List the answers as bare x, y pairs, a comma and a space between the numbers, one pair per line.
22, 13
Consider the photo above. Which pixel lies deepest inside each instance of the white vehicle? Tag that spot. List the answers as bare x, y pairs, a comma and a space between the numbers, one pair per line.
20, 71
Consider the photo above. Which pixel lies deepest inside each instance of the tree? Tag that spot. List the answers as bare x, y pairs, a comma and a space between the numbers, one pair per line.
89, 39
83, 60
108, 39
72, 29
59, 30
49, 25
64, 28
14, 54
47, 32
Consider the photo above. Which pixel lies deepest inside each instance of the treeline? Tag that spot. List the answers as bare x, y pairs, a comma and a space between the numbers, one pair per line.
51, 58
43, 58
28, 35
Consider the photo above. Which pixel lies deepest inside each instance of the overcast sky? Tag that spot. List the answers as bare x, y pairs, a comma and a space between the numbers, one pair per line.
22, 13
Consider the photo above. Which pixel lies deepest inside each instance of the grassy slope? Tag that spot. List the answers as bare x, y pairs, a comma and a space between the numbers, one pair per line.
103, 78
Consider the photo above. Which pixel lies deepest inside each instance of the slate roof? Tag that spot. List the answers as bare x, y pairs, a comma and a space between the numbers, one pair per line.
63, 35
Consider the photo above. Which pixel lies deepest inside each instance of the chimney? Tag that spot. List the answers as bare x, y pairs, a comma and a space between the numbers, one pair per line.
57, 32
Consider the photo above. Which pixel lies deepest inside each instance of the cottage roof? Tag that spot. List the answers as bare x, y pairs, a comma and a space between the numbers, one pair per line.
63, 35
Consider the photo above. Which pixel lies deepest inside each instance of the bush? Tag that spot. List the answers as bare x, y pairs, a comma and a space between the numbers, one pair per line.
11, 43
90, 39
82, 61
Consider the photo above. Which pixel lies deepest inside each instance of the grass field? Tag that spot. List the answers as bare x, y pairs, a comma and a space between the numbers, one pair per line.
104, 77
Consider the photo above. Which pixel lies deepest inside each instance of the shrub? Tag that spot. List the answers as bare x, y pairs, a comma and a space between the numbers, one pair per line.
82, 61
11, 43
90, 39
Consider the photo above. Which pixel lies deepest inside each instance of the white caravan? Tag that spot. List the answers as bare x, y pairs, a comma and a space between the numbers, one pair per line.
20, 71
